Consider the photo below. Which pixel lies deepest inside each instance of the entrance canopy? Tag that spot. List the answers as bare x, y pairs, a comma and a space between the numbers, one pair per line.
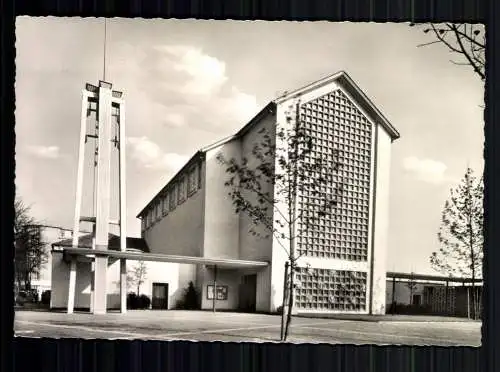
138, 250
142, 256
430, 278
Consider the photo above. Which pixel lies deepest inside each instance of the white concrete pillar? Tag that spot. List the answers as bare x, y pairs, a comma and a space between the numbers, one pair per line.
78, 199
123, 207
92, 286
91, 266
81, 162
123, 286
100, 276
71, 286
103, 197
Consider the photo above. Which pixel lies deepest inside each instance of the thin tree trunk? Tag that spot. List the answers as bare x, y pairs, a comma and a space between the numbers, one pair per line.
290, 300
291, 282
26, 271
472, 263
292, 192
27, 282
285, 301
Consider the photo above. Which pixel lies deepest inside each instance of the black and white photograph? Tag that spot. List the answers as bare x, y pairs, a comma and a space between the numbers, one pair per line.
301, 182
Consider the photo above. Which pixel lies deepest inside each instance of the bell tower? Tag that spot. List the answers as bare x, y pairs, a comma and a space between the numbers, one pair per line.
102, 113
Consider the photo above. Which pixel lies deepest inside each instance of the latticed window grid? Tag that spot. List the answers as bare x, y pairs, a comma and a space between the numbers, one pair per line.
341, 134
325, 289
439, 302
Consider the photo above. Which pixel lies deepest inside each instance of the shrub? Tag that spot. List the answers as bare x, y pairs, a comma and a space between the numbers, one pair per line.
190, 300
26, 296
46, 297
132, 301
144, 302
135, 302
279, 309
403, 309
33, 295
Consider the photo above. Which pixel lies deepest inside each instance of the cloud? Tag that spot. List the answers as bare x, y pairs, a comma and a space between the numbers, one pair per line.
426, 170
207, 74
241, 106
45, 152
149, 155
191, 88
175, 119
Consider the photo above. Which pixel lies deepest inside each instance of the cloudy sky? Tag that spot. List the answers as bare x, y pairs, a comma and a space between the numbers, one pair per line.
190, 83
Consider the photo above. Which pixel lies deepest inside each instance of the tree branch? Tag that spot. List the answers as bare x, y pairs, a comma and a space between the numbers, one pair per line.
466, 36
464, 52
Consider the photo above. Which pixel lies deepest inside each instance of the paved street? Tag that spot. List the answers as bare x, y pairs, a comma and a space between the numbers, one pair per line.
207, 326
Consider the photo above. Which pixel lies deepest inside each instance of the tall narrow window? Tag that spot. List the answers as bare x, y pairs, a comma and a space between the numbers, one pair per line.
199, 175
158, 210
193, 180
173, 197
165, 203
181, 186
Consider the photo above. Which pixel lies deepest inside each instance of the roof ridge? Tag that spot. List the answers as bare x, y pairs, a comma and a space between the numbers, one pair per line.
359, 94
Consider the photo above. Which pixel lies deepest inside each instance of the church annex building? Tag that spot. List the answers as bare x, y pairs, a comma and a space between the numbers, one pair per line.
190, 231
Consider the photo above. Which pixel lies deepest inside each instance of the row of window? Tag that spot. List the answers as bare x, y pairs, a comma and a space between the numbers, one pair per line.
338, 249
309, 237
360, 257
325, 129
353, 124
179, 191
346, 234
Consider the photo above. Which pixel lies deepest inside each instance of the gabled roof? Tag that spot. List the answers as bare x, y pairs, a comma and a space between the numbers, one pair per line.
268, 109
341, 77
85, 241
346, 82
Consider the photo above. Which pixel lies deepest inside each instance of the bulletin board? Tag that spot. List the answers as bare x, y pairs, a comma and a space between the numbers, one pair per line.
221, 292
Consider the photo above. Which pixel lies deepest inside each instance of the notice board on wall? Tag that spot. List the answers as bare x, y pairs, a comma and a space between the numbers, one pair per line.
221, 294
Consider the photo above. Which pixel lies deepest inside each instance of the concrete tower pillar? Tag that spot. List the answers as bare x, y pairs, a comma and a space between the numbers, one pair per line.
106, 100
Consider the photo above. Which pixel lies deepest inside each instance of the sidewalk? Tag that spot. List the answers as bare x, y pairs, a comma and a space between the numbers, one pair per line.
388, 318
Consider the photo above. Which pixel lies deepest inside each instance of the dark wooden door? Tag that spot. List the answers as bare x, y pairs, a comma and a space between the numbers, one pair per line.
248, 293
159, 300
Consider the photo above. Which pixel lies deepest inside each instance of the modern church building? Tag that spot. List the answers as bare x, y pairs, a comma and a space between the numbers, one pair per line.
191, 232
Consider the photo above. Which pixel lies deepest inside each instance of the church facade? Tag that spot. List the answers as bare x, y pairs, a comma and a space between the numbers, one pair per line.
342, 267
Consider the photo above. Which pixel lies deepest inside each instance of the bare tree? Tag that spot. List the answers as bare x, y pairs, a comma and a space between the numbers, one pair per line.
412, 286
137, 276
465, 40
265, 187
30, 251
461, 234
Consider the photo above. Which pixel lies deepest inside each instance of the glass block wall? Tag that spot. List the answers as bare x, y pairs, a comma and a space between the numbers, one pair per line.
324, 289
341, 133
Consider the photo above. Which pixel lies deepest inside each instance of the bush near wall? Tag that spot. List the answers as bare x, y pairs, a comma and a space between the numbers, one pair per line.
25, 297
190, 300
403, 309
45, 300
135, 302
